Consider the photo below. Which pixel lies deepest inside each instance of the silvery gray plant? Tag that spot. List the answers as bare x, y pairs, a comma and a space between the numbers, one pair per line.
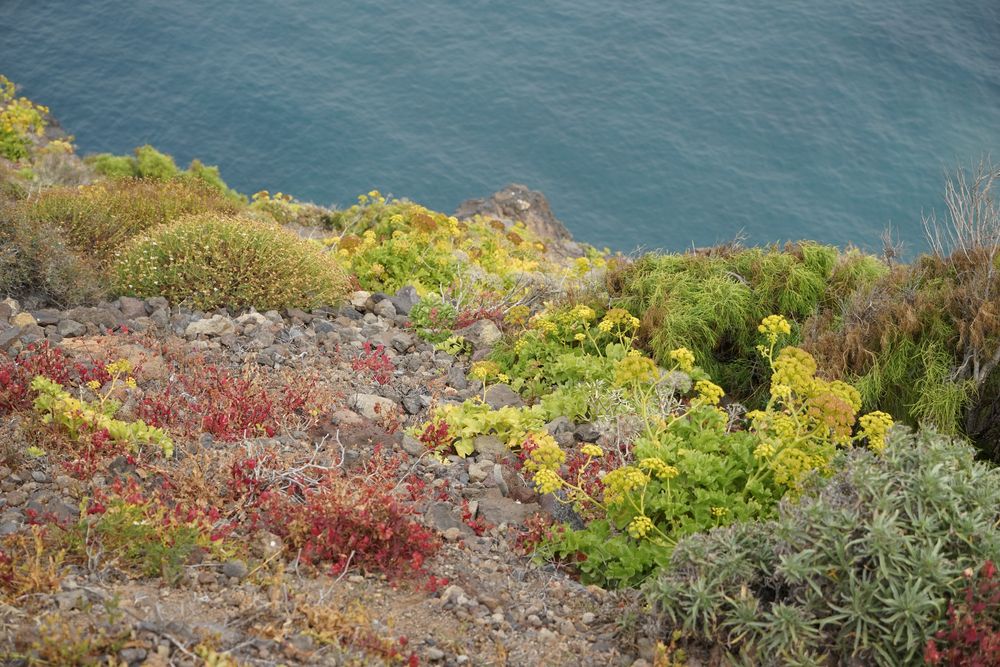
858, 570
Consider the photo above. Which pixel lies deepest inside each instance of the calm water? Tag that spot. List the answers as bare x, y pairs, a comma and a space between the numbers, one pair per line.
655, 123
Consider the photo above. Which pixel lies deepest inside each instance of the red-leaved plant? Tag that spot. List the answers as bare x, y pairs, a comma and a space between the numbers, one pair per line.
972, 638
375, 364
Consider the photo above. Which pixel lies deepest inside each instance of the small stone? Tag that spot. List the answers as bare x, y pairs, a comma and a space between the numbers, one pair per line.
434, 654
452, 534
456, 378
587, 618
359, 299
23, 320
132, 655
235, 569
413, 404
489, 447
132, 308
217, 325
71, 328
405, 299
385, 309
17, 497
502, 396
372, 406
481, 334
412, 446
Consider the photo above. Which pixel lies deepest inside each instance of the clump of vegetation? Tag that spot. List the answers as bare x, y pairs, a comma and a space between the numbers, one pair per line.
391, 243
36, 260
689, 465
861, 567
150, 163
98, 219
923, 341
712, 301
22, 122
212, 261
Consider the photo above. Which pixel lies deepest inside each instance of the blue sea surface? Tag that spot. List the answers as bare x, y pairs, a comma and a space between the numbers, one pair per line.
647, 123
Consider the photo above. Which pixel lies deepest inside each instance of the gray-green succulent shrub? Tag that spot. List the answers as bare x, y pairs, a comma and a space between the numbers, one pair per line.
859, 570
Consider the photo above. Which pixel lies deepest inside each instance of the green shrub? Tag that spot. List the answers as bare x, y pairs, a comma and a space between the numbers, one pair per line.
114, 166
858, 571
712, 302
211, 261
153, 164
97, 219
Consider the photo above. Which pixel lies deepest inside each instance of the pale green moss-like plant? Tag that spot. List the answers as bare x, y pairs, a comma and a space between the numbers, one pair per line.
212, 261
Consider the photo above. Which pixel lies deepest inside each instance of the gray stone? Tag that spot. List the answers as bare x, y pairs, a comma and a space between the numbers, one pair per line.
132, 308
405, 299
489, 447
71, 328
252, 318
160, 318
401, 342
350, 312
323, 326
132, 655
297, 314
385, 309
359, 298
412, 446
412, 404
104, 317
46, 316
497, 510
501, 396
444, 516
6, 311
480, 470
481, 334
235, 569
587, 432
456, 378
372, 406
8, 337
217, 325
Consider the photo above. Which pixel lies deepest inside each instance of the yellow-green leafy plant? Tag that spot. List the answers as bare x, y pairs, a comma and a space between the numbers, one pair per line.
693, 466
21, 120
77, 417
211, 261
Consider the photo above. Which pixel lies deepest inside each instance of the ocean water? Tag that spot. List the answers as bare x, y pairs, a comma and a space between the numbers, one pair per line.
647, 123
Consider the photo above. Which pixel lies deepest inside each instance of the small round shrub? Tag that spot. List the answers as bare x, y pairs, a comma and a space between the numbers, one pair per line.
858, 571
99, 218
210, 261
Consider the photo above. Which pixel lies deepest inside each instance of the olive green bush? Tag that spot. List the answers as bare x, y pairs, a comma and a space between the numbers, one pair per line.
97, 219
210, 261
859, 570
35, 261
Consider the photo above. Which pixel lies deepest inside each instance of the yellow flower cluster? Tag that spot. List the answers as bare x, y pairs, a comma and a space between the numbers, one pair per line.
659, 468
709, 392
794, 368
622, 481
483, 370
547, 481
875, 426
620, 321
684, 358
546, 455
792, 464
517, 315
719, 512
773, 326
635, 370
119, 367
764, 450
640, 526
592, 450
832, 413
